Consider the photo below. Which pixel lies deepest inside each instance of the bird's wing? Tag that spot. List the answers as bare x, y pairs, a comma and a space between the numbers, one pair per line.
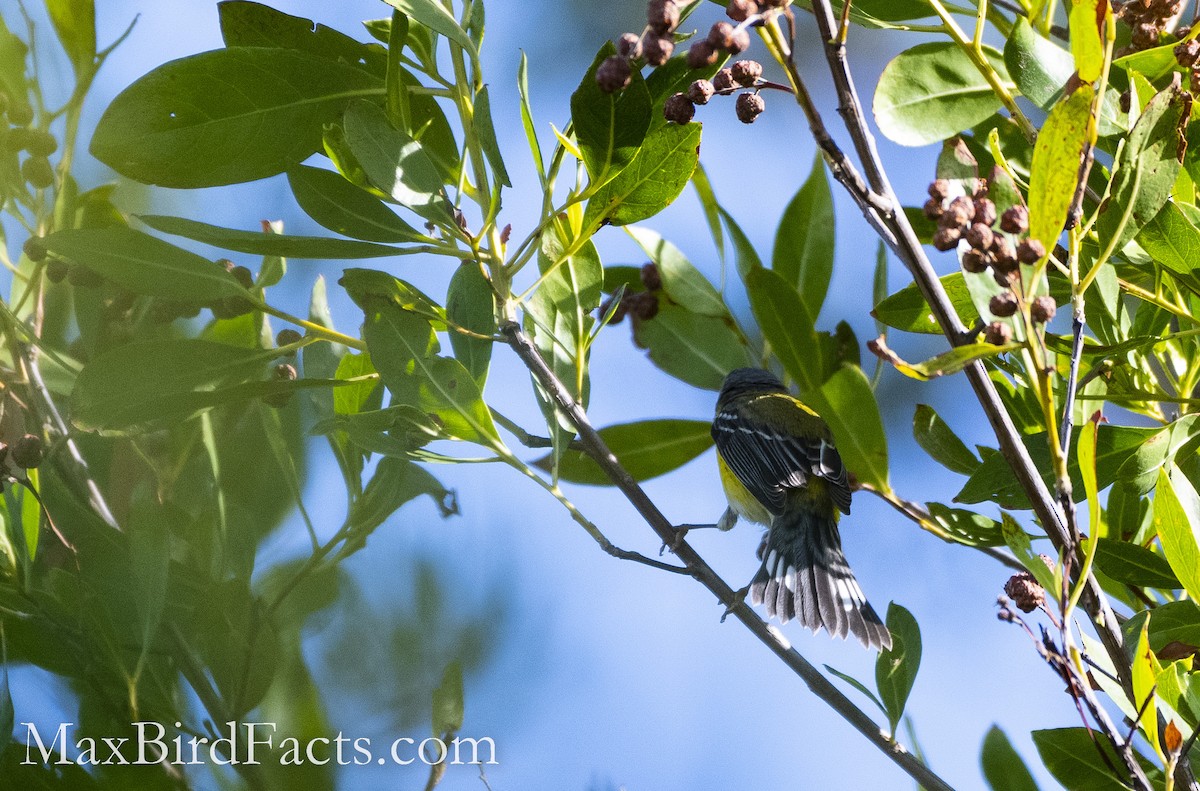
769, 461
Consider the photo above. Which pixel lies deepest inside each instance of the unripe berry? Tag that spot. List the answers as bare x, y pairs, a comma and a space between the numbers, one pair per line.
997, 333
243, 276
27, 452
678, 109
613, 74
35, 248
746, 72
38, 172
57, 270
288, 336
749, 107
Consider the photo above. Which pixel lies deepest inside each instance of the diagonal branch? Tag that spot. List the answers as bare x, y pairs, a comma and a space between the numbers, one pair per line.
702, 572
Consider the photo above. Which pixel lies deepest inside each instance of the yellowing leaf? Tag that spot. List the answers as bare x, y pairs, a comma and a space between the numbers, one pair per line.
1055, 169
1087, 21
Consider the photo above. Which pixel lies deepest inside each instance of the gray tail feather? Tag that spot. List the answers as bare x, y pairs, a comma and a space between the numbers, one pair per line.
805, 575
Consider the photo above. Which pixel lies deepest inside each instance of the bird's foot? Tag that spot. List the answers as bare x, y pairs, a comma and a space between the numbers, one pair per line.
739, 598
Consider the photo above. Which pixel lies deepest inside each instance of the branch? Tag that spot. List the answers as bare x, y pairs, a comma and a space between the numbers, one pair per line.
702, 572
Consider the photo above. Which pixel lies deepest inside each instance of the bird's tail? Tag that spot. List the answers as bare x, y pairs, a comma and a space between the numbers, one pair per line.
805, 575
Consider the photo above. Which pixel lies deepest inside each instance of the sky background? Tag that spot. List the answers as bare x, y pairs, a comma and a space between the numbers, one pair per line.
602, 674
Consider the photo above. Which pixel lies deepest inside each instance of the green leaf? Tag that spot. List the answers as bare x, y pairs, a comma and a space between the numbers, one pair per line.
75, 23
246, 24
746, 256
1175, 622
681, 281
149, 529
933, 91
804, 242
896, 668
173, 127
396, 482
535, 148
652, 180
434, 16
448, 701
1172, 240
699, 350
941, 443
354, 398
1055, 169
1176, 518
7, 712
949, 362
1022, 548
1147, 168
861, 687
1002, 766
470, 304
260, 243
13, 69
148, 381
395, 162
1131, 564
787, 325
31, 513
848, 405
337, 204
1087, 21
967, 527
145, 265
1144, 677
485, 130
907, 310
609, 127
647, 449
712, 209
1039, 66
364, 284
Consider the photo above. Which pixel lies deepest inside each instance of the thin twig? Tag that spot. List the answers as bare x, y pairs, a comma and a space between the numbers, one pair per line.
702, 572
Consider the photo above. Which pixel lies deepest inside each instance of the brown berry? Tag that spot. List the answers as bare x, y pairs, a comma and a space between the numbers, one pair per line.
1005, 278
700, 91
1042, 310
965, 205
1025, 591
741, 10
946, 238
746, 72
287, 337
1002, 251
651, 278
613, 74
27, 452
739, 43
979, 236
701, 54
629, 46
933, 208
643, 305
1003, 304
985, 211
975, 261
749, 107
723, 81
1030, 251
657, 49
720, 35
1015, 220
662, 15
618, 313
678, 109
998, 333
939, 189
1187, 53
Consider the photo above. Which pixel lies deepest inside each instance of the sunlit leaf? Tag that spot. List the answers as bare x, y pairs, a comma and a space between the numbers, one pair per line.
646, 449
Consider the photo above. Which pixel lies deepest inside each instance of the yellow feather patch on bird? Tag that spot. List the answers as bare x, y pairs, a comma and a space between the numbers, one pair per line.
740, 498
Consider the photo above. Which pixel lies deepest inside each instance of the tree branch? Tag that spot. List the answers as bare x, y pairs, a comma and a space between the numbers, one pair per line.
702, 572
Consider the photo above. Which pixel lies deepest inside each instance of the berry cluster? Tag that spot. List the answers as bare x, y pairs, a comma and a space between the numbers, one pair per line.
681, 107
1188, 55
1147, 20
18, 137
640, 305
973, 219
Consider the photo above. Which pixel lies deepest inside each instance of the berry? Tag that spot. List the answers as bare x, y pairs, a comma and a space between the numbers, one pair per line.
657, 50
1187, 53
975, 261
20, 114
39, 143
1003, 304
613, 74
741, 10
643, 305
286, 337
56, 270
998, 333
933, 208
629, 46
619, 314
1002, 251
985, 211
1025, 591
749, 107
746, 72
946, 238
27, 452
964, 205
651, 278
720, 35
701, 54
700, 91
1005, 278
662, 15
939, 189
678, 109
723, 81
739, 43
35, 249
243, 276
1030, 251
1042, 310
1015, 220
979, 236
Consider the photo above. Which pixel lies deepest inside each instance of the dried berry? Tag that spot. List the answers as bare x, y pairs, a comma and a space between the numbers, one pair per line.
642, 305
1005, 278
979, 236
741, 10
998, 333
965, 205
746, 72
35, 248
651, 278
933, 208
985, 211
975, 261
1003, 304
287, 337
629, 46
678, 109
1025, 591
1187, 52
1042, 310
946, 238
720, 35
1002, 251
739, 43
657, 49
700, 91
749, 107
662, 15
723, 81
1030, 251
1015, 220
939, 189
38, 172
613, 74
618, 314
27, 452
701, 54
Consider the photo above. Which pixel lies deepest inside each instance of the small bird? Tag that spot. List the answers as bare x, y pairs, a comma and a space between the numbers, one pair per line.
779, 468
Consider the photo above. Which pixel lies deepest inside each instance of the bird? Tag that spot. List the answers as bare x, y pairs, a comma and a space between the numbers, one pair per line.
779, 468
